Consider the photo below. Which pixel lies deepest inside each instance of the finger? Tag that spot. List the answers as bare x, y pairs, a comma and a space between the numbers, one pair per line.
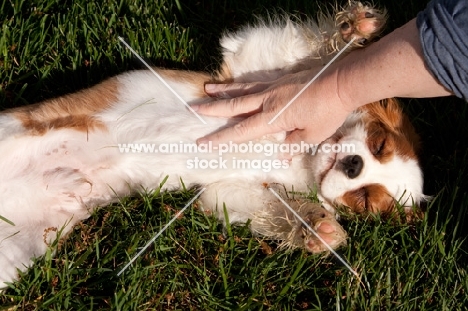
297, 138
234, 89
230, 107
306, 136
246, 130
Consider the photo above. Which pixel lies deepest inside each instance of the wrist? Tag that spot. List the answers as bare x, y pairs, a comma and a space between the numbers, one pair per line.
392, 67
335, 87
344, 88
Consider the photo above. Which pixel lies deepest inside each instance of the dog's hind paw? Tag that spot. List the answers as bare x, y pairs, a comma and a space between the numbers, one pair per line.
281, 224
325, 226
361, 22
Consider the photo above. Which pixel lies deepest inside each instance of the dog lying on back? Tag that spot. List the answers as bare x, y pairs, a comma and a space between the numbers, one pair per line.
64, 157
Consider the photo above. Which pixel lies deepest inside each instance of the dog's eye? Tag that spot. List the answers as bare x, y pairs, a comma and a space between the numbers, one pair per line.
377, 140
379, 147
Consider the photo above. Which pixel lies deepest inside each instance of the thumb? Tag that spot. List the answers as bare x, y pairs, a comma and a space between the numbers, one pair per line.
297, 138
248, 129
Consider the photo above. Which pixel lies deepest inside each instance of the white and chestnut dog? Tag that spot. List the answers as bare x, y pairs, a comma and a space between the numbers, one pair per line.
62, 158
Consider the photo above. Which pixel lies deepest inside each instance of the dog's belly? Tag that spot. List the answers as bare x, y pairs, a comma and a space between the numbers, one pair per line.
149, 135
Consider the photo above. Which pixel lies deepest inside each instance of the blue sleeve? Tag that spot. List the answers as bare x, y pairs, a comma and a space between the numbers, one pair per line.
443, 30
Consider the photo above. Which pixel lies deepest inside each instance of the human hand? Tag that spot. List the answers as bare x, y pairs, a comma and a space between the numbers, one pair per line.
392, 67
311, 117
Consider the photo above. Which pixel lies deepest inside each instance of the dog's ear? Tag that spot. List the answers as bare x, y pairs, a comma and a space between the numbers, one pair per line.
372, 198
387, 112
388, 115
375, 199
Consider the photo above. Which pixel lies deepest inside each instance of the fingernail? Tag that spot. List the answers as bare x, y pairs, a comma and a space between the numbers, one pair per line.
195, 107
285, 156
210, 88
202, 141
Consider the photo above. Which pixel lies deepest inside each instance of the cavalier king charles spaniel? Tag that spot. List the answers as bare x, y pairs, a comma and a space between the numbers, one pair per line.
64, 157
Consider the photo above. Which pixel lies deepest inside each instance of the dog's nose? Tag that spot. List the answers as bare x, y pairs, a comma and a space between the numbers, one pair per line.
351, 165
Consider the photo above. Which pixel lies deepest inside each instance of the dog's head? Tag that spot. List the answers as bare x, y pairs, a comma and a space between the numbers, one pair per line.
370, 163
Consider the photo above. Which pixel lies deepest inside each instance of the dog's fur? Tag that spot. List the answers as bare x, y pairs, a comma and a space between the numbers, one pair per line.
60, 158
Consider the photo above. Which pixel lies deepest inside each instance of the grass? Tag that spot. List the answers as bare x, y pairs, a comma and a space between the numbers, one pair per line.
48, 48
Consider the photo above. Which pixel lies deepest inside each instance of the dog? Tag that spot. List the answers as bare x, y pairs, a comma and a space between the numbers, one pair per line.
64, 157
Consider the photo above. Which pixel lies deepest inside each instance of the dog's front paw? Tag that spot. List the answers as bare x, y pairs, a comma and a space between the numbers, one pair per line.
325, 226
279, 223
361, 22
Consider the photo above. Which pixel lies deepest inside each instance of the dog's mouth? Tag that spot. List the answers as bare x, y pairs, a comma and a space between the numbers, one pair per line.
331, 163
